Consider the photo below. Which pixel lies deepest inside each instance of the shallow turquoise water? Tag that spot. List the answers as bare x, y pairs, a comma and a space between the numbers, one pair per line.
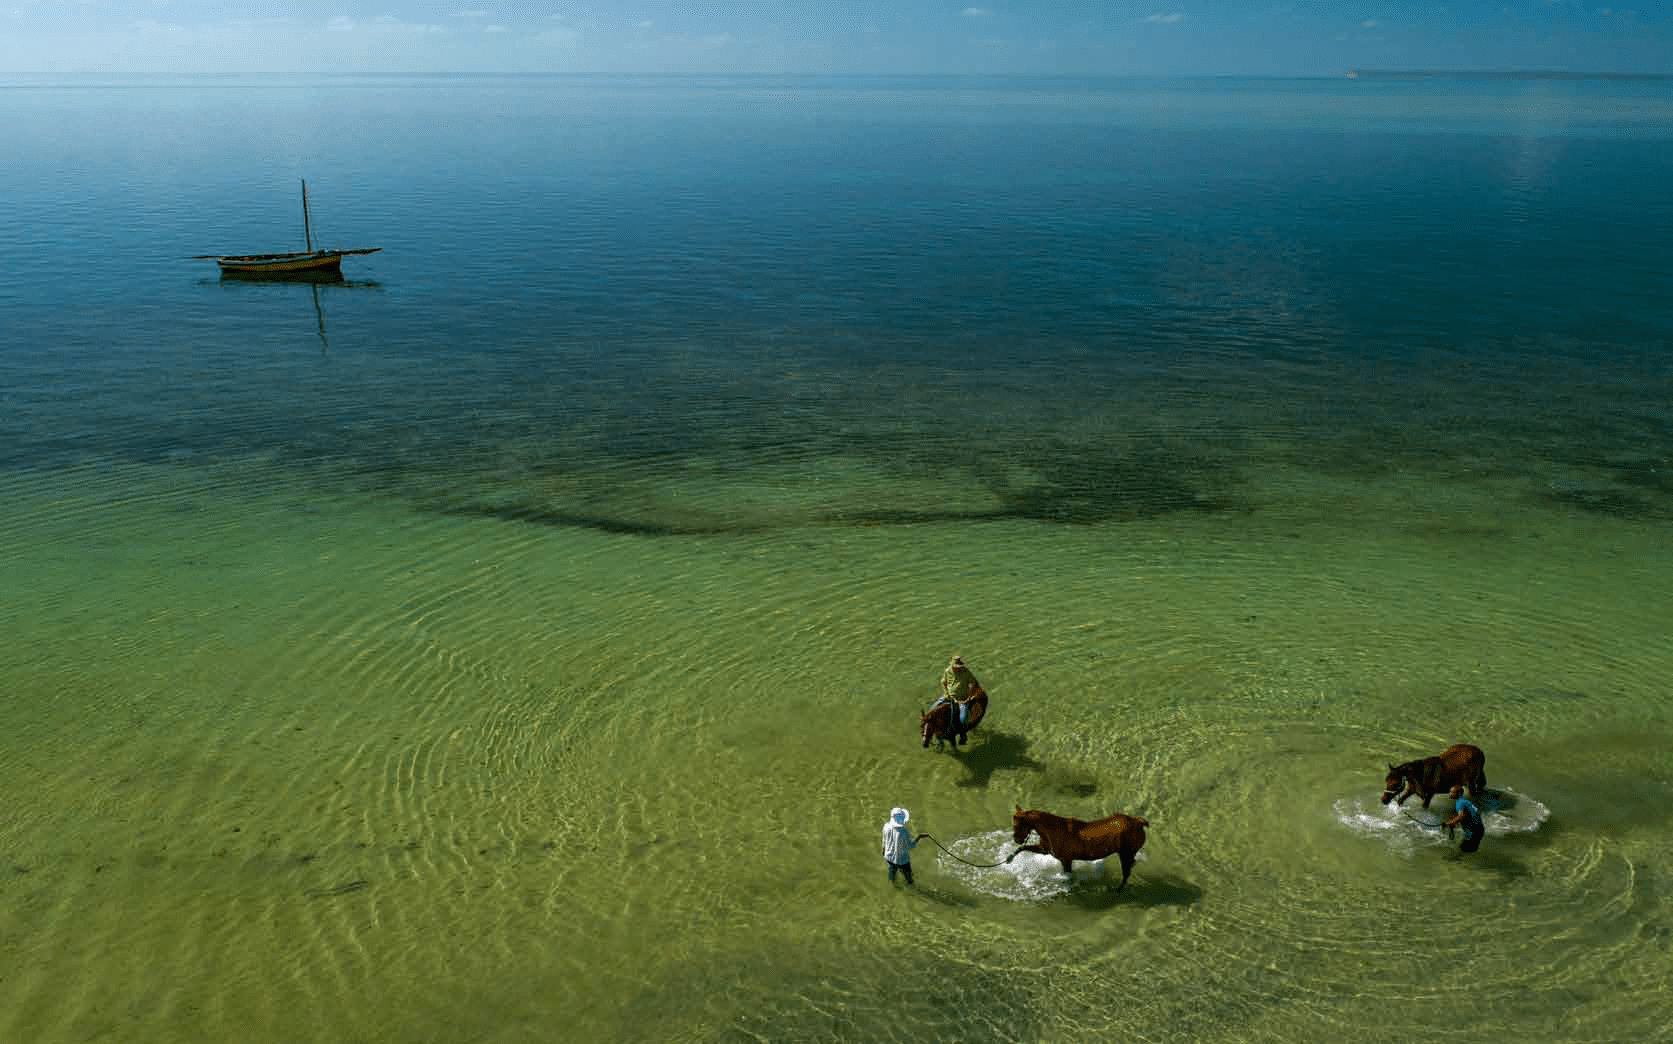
528, 642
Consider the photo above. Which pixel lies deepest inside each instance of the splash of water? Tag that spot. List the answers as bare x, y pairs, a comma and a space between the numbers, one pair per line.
1504, 812
1027, 878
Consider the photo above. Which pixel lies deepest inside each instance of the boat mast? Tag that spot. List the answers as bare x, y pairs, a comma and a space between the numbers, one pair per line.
307, 232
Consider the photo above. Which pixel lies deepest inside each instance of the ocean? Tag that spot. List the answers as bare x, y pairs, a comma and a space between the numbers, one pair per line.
524, 637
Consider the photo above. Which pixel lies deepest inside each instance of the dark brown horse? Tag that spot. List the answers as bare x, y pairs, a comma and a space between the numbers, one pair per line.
940, 723
1067, 840
1458, 765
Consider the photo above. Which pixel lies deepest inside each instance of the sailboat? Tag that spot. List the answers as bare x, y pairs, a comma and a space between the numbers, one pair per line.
295, 264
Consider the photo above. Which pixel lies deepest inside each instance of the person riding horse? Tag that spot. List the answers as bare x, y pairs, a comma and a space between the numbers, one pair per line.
958, 687
957, 711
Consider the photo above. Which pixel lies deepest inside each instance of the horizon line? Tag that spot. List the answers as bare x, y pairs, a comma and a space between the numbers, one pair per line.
1352, 73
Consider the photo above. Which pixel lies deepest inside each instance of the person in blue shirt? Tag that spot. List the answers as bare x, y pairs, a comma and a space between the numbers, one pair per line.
898, 844
1467, 814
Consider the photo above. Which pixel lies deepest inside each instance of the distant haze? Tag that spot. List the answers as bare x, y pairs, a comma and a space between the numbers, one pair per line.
883, 37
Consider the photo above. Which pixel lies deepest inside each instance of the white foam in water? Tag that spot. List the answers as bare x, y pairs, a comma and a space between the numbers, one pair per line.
1505, 812
1508, 812
1027, 877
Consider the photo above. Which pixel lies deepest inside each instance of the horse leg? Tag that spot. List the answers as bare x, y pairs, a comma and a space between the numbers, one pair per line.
1126, 869
1067, 863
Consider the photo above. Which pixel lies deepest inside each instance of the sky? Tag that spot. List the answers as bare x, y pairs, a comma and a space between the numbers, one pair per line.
834, 37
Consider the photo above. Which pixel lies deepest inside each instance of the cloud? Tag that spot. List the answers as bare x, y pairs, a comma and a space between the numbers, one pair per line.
382, 24
1168, 18
975, 12
1369, 23
471, 14
390, 23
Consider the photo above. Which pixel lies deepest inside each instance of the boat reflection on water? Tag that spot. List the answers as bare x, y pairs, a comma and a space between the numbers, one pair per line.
242, 281
305, 275
313, 279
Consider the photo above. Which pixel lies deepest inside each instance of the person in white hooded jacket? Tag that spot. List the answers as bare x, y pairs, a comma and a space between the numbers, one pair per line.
898, 844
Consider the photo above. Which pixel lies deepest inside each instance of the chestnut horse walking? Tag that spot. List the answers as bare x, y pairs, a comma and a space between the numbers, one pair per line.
940, 722
1067, 840
1458, 765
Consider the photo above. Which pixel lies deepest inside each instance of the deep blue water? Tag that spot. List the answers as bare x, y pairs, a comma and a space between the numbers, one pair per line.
775, 267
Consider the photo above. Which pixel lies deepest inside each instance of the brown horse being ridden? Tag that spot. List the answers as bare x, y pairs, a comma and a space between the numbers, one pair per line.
1067, 840
1460, 765
941, 722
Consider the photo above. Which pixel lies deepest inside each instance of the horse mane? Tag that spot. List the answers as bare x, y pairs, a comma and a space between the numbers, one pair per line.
1038, 813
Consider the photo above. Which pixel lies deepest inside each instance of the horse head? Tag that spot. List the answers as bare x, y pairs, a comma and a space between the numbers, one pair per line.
1022, 824
1395, 782
927, 726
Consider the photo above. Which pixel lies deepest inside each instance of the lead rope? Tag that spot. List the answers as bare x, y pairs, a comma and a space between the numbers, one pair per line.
966, 862
1428, 826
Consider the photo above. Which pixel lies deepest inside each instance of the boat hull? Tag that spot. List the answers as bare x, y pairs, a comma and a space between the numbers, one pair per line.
281, 264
